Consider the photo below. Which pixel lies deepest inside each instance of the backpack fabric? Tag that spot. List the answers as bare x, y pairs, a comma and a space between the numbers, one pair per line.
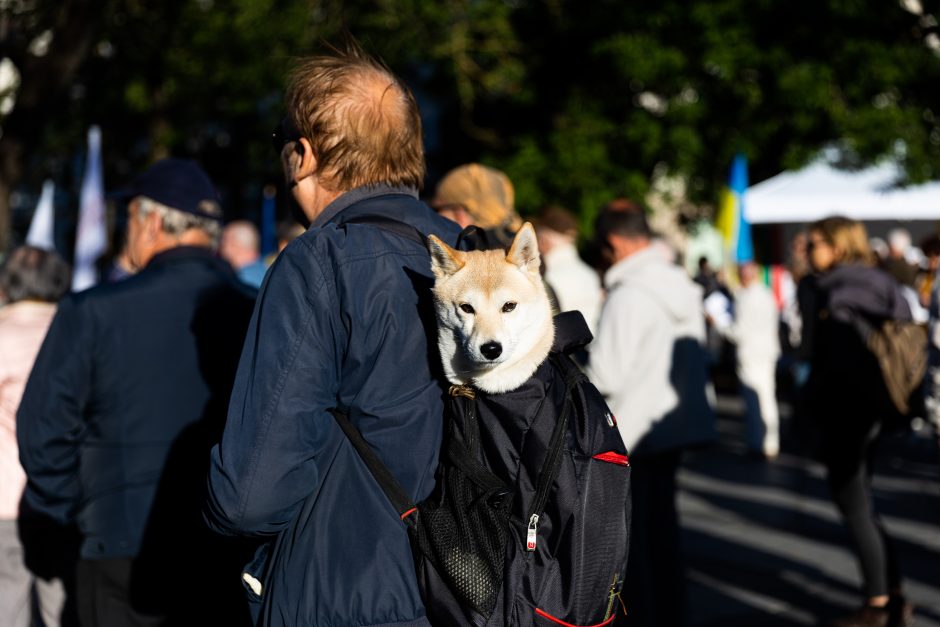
529, 522
901, 350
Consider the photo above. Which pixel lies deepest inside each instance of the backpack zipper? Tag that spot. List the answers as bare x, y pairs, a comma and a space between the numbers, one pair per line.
547, 476
612, 594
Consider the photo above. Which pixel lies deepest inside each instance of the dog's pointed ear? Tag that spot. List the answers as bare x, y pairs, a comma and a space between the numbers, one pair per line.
445, 260
524, 252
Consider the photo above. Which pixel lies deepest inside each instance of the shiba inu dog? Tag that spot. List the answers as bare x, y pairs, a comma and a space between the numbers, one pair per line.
493, 314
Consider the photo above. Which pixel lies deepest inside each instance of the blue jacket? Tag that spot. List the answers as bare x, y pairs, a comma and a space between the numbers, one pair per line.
343, 319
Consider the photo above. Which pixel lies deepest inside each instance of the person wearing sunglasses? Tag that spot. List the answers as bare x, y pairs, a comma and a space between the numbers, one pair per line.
850, 406
342, 322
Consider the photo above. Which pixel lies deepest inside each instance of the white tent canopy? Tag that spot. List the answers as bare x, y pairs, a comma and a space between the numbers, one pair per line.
820, 190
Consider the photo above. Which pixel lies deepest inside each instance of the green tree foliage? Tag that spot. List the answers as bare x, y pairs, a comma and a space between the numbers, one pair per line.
578, 102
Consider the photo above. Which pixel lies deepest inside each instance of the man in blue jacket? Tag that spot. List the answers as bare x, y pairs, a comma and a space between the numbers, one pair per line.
343, 321
128, 392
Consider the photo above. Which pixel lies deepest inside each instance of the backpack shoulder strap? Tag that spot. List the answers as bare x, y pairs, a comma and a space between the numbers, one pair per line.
390, 486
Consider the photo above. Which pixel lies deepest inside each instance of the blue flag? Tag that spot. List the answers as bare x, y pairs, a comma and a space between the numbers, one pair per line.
744, 244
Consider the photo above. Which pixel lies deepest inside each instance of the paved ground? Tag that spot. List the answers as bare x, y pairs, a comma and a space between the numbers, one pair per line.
765, 546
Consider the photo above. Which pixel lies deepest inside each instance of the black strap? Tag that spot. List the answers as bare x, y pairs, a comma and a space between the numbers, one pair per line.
392, 226
473, 469
393, 490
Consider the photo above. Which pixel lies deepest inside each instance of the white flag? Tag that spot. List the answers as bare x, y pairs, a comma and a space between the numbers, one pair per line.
91, 238
41, 227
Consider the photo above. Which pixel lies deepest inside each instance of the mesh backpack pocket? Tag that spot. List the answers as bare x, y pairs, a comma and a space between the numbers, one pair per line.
530, 519
462, 533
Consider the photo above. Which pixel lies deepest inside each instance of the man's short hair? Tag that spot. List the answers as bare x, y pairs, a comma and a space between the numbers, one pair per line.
623, 204
176, 223
361, 120
557, 219
31, 273
625, 223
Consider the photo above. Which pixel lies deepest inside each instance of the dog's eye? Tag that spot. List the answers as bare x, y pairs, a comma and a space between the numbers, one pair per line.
509, 307
466, 308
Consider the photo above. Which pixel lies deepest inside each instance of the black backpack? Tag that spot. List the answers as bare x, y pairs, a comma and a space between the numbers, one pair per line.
529, 521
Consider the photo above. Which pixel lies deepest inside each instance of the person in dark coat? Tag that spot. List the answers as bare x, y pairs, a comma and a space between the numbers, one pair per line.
343, 321
128, 392
849, 401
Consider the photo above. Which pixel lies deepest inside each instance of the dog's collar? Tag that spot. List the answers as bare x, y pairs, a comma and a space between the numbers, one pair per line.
462, 390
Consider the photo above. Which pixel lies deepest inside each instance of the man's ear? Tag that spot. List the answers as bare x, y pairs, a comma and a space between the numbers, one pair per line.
524, 252
153, 225
445, 261
302, 161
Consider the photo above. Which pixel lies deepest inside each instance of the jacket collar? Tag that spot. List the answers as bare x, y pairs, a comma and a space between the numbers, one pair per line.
180, 253
356, 195
628, 265
562, 254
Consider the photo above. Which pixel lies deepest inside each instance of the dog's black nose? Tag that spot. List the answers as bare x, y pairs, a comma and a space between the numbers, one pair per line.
492, 350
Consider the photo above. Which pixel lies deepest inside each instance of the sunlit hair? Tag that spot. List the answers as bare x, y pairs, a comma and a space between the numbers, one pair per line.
175, 222
361, 120
31, 273
848, 238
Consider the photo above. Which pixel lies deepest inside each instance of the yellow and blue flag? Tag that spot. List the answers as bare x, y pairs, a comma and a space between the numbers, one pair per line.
731, 222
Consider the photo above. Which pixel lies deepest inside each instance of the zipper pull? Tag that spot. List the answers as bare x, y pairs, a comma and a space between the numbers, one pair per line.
611, 595
532, 532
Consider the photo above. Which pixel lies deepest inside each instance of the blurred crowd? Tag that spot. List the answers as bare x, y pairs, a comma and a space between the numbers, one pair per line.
111, 401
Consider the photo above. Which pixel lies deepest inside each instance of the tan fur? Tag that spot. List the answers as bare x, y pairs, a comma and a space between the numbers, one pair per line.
487, 281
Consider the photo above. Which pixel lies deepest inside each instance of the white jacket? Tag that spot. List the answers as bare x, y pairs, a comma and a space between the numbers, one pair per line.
577, 286
755, 329
648, 358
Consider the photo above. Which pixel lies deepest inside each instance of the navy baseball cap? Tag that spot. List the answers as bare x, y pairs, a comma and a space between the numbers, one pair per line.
178, 184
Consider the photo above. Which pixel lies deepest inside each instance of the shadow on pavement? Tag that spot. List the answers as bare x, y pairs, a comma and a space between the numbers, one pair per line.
764, 545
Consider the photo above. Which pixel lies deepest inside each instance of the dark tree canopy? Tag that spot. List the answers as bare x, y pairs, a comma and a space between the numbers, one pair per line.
578, 102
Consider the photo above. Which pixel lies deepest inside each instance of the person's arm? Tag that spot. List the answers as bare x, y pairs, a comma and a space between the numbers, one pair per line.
50, 426
265, 465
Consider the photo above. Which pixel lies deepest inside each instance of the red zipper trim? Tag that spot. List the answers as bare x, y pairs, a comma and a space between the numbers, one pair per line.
409, 513
613, 458
545, 614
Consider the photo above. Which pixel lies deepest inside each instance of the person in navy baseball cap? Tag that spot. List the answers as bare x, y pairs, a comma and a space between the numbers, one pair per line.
130, 390
178, 184
172, 203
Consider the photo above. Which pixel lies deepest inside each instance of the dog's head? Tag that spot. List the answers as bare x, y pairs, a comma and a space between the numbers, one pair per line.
494, 316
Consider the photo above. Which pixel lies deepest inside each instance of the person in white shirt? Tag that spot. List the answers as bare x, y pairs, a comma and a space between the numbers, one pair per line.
576, 285
755, 332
